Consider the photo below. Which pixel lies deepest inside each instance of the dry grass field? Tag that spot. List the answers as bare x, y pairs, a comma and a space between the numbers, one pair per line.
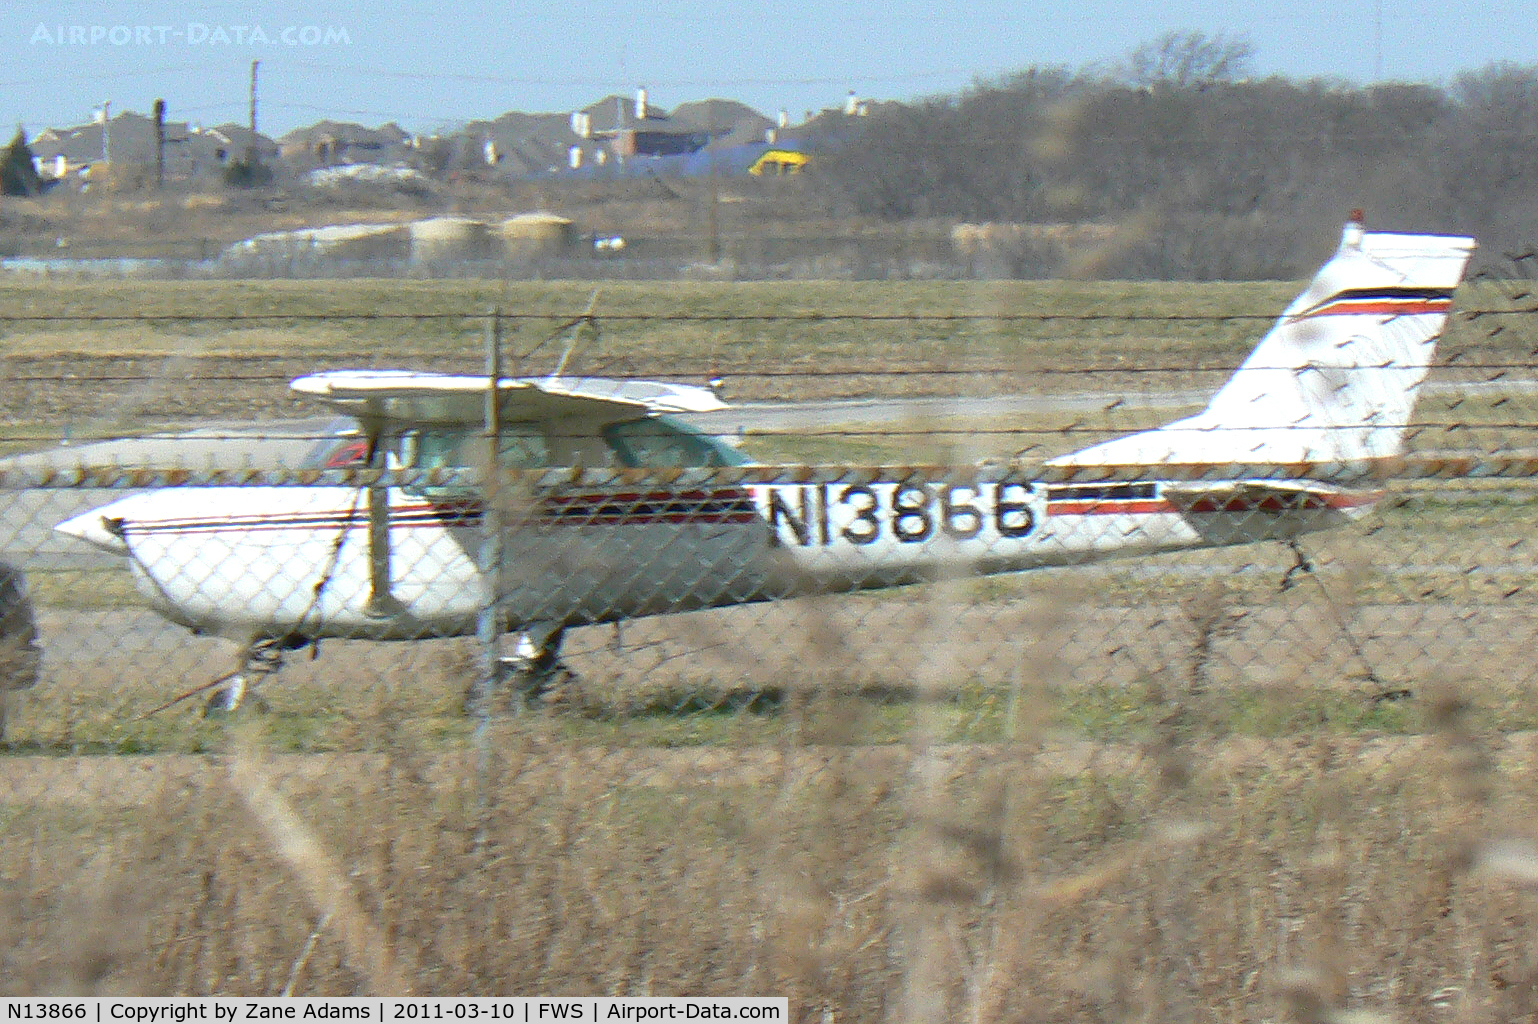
1163, 790
773, 341
112, 357
1188, 877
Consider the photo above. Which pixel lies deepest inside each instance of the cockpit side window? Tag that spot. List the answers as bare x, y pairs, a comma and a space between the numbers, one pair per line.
523, 446
431, 448
520, 445
660, 442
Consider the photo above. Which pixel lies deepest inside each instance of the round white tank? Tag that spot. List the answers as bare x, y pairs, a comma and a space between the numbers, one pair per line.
536, 234
449, 238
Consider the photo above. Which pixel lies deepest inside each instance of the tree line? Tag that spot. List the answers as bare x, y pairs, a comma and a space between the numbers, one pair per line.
1203, 171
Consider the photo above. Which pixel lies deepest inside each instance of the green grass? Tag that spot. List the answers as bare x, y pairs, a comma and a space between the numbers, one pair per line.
1142, 713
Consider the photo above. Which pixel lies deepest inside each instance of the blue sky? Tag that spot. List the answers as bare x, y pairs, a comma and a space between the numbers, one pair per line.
430, 64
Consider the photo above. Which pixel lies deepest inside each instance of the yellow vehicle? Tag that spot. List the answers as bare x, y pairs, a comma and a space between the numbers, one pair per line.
779, 161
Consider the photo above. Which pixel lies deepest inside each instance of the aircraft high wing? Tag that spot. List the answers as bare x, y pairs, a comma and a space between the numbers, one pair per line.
277, 568
545, 421
404, 396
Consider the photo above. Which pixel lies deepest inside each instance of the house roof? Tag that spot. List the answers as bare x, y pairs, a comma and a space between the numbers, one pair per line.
390, 134
131, 139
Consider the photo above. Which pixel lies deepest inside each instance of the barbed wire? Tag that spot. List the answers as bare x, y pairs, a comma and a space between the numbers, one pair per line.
1501, 370
1443, 465
678, 317
812, 433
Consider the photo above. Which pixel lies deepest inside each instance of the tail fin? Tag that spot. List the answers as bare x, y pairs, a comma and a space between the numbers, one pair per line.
1336, 378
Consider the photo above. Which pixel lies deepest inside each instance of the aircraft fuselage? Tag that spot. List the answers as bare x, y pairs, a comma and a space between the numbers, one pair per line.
301, 562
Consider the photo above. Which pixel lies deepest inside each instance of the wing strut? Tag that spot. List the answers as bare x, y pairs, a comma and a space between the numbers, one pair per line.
382, 604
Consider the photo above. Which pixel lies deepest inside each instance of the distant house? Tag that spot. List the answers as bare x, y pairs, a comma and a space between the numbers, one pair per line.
128, 141
339, 143
518, 145
643, 129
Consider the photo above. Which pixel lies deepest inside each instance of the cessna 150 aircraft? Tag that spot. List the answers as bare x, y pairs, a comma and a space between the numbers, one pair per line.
278, 568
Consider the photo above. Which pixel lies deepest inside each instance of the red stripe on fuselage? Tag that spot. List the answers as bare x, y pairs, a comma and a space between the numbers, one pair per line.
1109, 507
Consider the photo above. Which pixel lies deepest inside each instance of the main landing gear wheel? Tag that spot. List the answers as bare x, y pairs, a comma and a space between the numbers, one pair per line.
538, 684
533, 674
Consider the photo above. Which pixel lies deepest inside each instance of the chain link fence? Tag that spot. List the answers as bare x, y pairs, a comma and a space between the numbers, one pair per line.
687, 589
1286, 777
1075, 787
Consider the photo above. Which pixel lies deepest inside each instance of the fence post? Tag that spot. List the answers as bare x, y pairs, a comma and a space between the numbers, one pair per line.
489, 624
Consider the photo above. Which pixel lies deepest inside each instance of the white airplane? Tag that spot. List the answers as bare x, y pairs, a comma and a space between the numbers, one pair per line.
278, 568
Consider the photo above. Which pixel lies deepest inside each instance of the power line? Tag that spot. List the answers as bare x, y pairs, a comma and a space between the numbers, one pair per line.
703, 364
708, 318
812, 318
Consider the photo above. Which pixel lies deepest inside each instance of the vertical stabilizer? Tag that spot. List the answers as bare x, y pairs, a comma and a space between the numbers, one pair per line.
1337, 376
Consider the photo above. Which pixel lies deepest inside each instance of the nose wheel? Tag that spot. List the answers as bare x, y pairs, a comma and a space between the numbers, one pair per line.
226, 698
260, 659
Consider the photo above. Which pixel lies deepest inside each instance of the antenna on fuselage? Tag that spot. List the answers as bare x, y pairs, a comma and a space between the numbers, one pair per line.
577, 334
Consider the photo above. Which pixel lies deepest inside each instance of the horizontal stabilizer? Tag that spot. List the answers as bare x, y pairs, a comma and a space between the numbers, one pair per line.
1273, 497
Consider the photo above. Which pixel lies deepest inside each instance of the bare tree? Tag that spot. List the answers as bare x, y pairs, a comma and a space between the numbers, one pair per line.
1184, 60
1491, 153
1211, 174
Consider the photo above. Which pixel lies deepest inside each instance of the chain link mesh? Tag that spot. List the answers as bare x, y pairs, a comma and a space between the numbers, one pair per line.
1112, 739
1435, 579
1252, 782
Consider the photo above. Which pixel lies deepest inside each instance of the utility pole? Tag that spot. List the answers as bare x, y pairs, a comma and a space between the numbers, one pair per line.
160, 144
106, 132
251, 149
714, 214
